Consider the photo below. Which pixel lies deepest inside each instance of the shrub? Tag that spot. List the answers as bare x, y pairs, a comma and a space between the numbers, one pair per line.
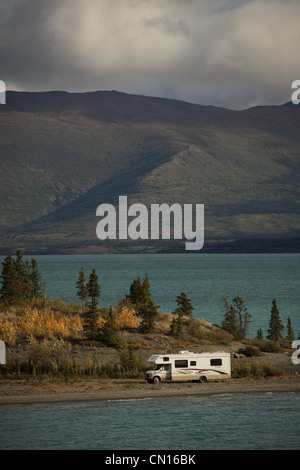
39, 324
197, 332
49, 356
271, 346
255, 370
131, 363
127, 318
249, 351
9, 332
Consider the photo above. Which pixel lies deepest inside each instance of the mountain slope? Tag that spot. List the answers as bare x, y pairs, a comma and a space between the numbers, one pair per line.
61, 155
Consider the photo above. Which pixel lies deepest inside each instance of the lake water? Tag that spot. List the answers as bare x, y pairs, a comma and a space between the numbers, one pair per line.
205, 278
255, 421
252, 421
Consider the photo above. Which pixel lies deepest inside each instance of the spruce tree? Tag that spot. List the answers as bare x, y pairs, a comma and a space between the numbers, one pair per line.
10, 281
93, 286
275, 325
230, 320
109, 332
243, 316
146, 294
136, 292
139, 292
82, 290
177, 326
290, 333
184, 308
90, 317
140, 297
21, 282
184, 305
23, 294
37, 286
148, 311
259, 334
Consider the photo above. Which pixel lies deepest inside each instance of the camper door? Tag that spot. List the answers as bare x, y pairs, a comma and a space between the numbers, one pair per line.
164, 371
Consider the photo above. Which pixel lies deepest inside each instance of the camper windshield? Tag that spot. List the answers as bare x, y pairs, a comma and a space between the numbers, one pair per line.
158, 366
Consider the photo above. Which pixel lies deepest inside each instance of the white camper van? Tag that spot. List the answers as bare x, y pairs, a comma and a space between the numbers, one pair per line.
186, 366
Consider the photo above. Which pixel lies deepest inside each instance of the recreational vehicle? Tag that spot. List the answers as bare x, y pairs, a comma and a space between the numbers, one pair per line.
186, 366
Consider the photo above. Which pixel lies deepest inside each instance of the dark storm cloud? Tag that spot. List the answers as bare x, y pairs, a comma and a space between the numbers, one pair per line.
232, 53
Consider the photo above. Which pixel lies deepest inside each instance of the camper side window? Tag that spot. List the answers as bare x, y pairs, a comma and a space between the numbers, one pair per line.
181, 363
216, 362
165, 359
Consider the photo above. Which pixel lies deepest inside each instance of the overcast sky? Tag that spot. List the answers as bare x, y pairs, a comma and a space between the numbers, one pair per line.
231, 53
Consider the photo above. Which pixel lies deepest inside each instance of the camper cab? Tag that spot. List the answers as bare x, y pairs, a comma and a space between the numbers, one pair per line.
186, 366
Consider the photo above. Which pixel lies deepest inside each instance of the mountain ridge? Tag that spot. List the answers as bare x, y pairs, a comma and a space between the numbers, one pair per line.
74, 151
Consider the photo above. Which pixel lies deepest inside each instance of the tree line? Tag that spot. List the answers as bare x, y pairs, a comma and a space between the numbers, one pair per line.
139, 298
236, 321
22, 283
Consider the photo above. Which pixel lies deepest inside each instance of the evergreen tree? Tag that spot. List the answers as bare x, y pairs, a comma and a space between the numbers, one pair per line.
90, 320
230, 321
140, 297
109, 332
290, 332
93, 286
82, 290
136, 295
131, 362
37, 286
146, 294
275, 325
21, 282
236, 317
148, 312
177, 326
23, 294
243, 316
185, 306
139, 291
90, 317
259, 334
10, 281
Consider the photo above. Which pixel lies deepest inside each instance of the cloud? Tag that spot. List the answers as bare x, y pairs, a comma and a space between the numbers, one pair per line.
233, 53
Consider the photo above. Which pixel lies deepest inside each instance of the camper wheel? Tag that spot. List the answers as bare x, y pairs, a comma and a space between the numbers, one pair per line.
203, 379
156, 379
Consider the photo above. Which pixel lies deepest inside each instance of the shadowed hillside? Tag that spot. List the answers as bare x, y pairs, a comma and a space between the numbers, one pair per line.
63, 154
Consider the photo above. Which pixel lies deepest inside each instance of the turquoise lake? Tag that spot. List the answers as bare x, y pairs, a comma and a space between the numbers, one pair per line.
241, 422
250, 421
205, 278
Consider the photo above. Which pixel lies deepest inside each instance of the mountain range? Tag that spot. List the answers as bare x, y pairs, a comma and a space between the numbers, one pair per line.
63, 154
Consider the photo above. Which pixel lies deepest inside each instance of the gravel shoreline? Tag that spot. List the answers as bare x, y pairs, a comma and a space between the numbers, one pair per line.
21, 392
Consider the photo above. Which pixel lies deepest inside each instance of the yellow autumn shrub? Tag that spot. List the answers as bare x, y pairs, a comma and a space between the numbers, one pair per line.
33, 323
127, 318
101, 322
9, 332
